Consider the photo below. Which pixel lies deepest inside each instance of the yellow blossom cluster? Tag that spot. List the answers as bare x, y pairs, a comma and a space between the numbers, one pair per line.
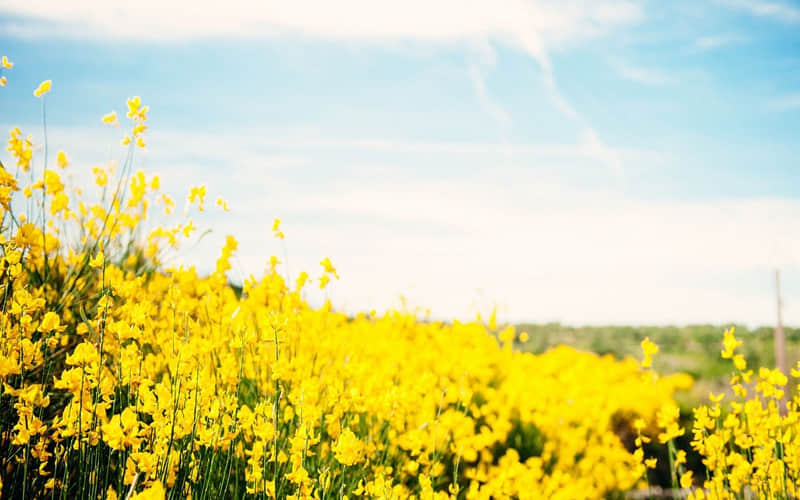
125, 379
138, 114
750, 447
4, 64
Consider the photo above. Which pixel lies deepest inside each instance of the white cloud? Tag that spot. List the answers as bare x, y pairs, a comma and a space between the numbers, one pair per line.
521, 233
489, 105
647, 76
250, 147
786, 103
764, 8
711, 42
441, 20
595, 148
603, 258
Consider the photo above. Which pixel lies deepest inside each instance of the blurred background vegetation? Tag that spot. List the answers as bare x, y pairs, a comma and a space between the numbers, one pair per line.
692, 349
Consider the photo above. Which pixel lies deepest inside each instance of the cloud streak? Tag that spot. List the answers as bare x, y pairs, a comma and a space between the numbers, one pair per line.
647, 76
711, 42
489, 105
788, 102
763, 8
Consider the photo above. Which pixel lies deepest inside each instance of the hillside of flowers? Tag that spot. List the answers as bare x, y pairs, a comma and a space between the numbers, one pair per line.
123, 378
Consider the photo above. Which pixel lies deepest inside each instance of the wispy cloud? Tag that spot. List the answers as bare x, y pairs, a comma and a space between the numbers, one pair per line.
595, 259
765, 8
534, 27
711, 42
486, 102
557, 251
647, 76
788, 102
276, 153
440, 20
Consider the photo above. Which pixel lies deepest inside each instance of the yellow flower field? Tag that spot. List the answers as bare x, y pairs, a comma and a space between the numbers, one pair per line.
123, 378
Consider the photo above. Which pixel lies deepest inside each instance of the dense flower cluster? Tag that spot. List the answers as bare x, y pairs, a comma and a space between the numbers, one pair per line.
750, 447
125, 379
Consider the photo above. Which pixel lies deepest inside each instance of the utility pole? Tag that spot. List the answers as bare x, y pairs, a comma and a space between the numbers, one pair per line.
780, 336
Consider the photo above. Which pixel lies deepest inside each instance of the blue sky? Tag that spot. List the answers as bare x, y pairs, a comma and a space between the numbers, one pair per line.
587, 162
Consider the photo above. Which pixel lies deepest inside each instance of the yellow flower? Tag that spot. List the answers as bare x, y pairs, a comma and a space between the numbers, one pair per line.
649, 349
492, 325
21, 148
348, 450
188, 228
667, 419
50, 322
680, 458
507, 334
697, 495
198, 194
3, 81
6, 63
84, 354
273, 262
138, 129
301, 281
111, 119
686, 479
98, 260
43, 88
276, 229
134, 103
61, 160
155, 491
122, 430
729, 344
100, 176
328, 267
13, 256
